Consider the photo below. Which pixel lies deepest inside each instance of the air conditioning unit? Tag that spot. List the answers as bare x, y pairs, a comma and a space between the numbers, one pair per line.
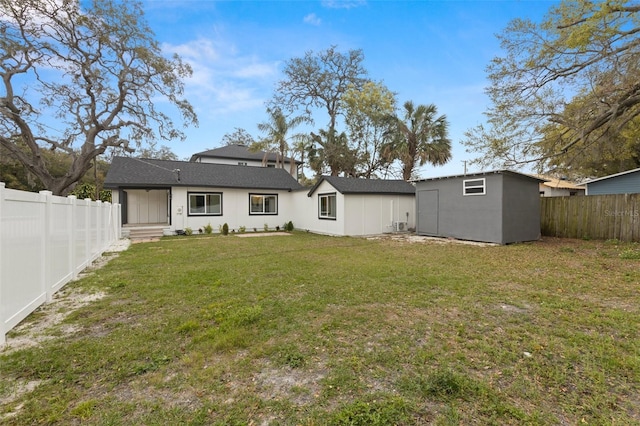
400, 226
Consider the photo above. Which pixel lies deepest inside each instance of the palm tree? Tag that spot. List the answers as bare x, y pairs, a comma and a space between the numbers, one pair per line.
420, 137
276, 140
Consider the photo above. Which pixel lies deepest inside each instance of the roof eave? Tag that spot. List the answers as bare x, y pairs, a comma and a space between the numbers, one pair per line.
610, 176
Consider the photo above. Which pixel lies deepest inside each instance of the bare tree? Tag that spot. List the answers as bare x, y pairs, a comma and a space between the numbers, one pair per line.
318, 81
239, 137
80, 81
574, 76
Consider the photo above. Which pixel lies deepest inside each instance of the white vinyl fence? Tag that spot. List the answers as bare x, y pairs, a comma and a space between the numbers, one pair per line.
45, 242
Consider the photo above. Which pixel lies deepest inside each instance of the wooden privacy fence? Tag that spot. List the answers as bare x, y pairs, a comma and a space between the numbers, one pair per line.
45, 242
600, 217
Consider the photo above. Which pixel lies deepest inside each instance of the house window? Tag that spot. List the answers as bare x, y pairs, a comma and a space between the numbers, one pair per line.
474, 186
327, 206
205, 204
263, 204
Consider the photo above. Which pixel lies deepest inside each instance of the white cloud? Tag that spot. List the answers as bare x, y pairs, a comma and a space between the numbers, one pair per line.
202, 49
224, 80
312, 19
256, 69
343, 4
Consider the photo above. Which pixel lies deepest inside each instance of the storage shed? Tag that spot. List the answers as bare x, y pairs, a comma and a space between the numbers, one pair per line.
357, 207
620, 183
498, 207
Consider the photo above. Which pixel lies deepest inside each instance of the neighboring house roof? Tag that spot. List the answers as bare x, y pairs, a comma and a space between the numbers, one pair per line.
138, 172
346, 185
610, 176
478, 174
239, 152
556, 183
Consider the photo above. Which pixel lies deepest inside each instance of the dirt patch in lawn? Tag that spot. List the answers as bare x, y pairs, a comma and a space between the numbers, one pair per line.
412, 238
41, 325
38, 327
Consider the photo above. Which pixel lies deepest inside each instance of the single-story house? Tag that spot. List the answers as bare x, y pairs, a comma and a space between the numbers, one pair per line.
182, 194
620, 183
175, 195
498, 207
558, 187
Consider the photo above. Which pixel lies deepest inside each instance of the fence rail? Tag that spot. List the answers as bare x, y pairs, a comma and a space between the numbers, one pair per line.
45, 242
600, 217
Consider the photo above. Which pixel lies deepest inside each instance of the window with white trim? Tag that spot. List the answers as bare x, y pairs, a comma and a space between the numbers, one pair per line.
474, 186
327, 206
205, 204
263, 204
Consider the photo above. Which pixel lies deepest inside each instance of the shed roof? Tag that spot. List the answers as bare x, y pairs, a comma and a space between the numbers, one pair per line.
478, 174
610, 176
128, 172
239, 152
346, 185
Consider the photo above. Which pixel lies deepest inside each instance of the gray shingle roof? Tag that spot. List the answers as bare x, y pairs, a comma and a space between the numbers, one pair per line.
138, 172
366, 186
238, 152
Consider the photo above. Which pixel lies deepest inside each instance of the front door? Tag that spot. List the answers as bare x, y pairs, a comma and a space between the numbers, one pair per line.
427, 212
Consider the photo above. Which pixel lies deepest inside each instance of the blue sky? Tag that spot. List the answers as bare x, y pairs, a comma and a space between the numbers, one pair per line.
425, 51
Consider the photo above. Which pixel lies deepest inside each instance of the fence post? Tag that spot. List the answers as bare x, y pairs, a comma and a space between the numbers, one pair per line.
45, 197
99, 242
87, 232
73, 218
108, 224
117, 221
3, 326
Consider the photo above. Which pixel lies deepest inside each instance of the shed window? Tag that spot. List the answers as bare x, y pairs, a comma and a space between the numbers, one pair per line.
327, 206
205, 204
474, 186
263, 204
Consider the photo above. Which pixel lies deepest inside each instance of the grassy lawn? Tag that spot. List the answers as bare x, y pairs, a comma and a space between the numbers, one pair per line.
315, 330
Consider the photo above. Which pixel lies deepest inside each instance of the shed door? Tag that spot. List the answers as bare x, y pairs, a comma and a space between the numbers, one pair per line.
428, 212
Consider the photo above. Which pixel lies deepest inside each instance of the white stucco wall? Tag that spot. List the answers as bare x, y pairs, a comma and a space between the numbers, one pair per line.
231, 161
249, 163
235, 210
306, 211
357, 214
375, 214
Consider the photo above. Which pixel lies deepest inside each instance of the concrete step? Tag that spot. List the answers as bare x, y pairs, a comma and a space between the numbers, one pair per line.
145, 233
